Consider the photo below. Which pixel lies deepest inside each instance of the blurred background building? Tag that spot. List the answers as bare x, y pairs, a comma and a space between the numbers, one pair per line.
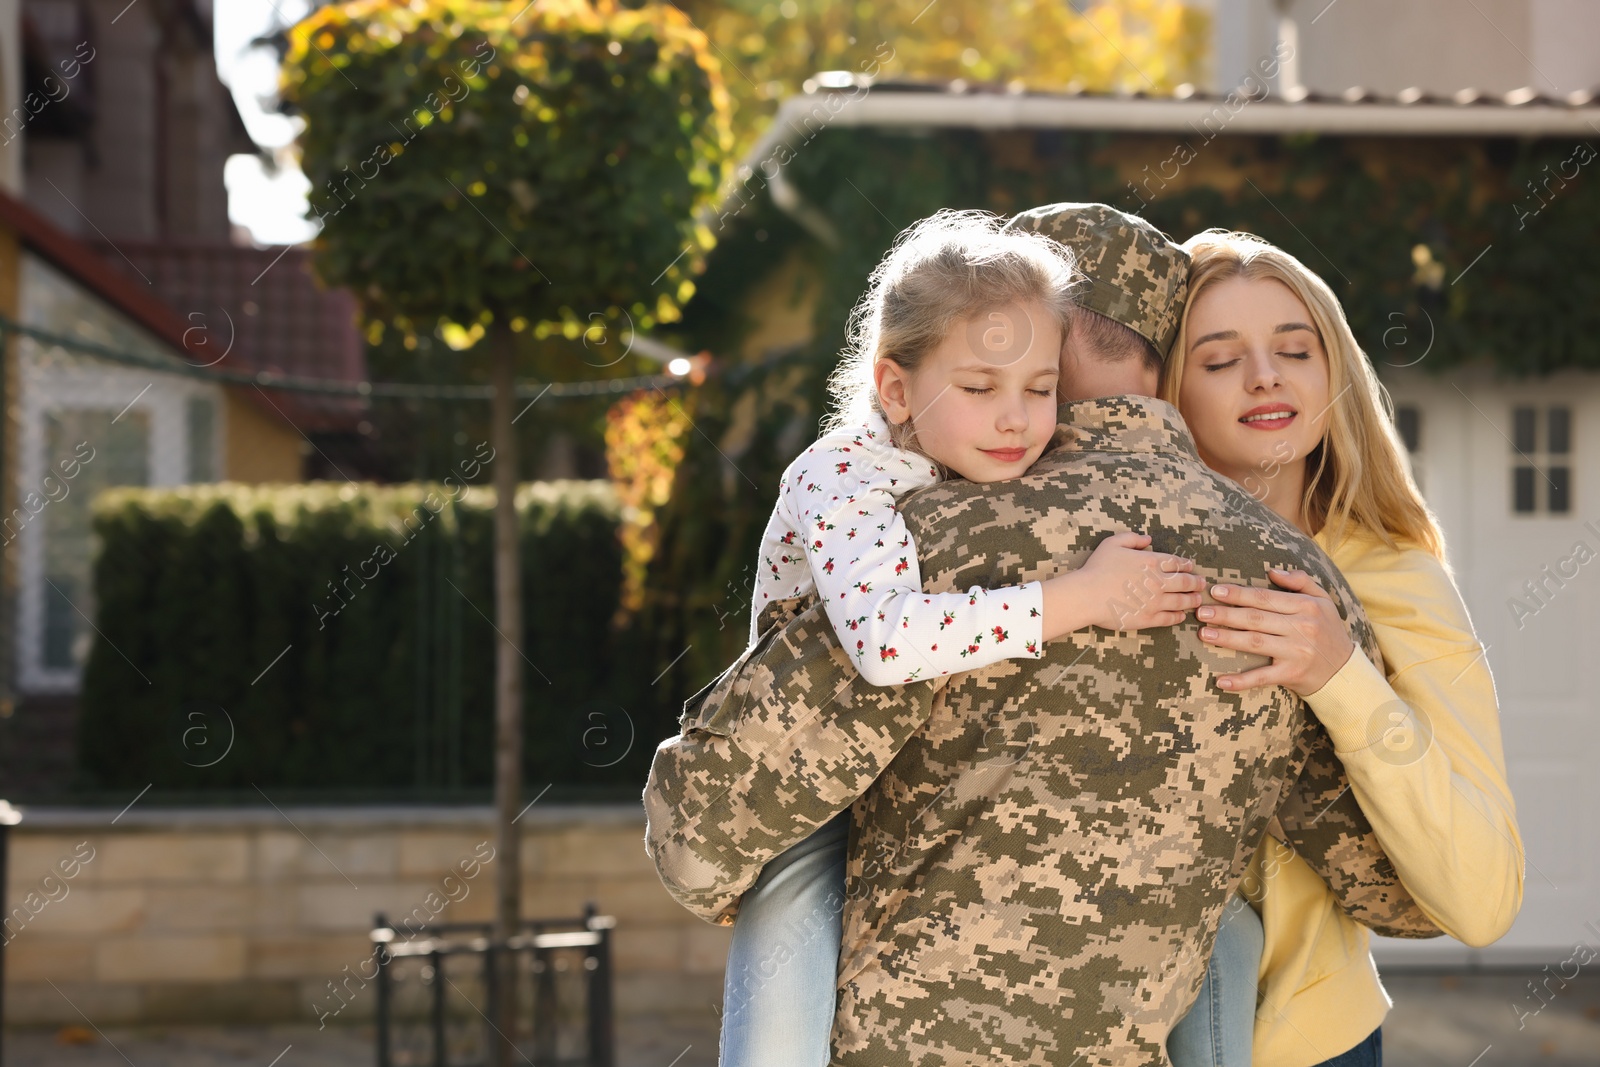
1439, 47
116, 133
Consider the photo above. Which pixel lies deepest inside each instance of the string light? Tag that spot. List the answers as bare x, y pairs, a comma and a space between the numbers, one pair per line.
292, 383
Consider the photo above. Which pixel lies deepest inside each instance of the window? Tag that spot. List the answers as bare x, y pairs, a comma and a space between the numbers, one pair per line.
1408, 420
85, 426
1408, 423
1541, 460
201, 413
104, 451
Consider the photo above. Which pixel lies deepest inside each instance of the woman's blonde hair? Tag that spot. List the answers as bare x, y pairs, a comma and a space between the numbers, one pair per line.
1356, 475
945, 269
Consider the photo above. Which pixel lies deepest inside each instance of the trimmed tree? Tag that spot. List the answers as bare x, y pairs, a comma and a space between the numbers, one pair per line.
497, 172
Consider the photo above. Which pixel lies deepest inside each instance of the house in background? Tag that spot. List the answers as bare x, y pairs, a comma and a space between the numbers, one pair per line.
134, 144
1431, 46
130, 160
1508, 458
110, 423
114, 230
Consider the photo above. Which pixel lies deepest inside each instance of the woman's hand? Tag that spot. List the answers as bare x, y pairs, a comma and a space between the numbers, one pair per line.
1300, 629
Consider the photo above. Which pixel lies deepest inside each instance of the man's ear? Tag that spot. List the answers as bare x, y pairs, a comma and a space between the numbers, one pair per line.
892, 382
1066, 383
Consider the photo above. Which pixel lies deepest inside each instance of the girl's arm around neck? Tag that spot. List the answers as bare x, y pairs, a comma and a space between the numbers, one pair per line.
841, 494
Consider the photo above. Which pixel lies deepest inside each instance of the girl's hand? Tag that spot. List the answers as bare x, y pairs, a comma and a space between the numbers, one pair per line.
1122, 586
1301, 631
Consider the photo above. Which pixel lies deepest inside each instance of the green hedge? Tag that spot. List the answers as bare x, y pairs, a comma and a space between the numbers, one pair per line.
379, 600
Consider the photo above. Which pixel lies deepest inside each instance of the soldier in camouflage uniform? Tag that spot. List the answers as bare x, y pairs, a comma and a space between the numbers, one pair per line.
1037, 876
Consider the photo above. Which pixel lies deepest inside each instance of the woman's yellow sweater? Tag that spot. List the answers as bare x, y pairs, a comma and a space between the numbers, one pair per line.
1441, 808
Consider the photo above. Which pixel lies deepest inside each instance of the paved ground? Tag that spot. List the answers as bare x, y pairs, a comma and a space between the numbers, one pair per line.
1438, 1021
1451, 1021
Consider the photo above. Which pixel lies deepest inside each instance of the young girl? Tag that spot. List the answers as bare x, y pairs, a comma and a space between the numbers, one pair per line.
953, 363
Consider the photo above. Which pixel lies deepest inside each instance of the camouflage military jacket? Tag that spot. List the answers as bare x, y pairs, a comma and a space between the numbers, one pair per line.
777, 745
1038, 875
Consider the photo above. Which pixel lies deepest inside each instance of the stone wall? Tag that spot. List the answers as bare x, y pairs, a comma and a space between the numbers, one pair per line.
247, 915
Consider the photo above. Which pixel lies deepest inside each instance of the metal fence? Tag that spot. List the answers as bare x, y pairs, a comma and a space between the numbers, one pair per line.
436, 986
9, 817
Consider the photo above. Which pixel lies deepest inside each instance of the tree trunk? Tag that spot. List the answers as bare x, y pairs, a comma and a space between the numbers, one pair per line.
508, 681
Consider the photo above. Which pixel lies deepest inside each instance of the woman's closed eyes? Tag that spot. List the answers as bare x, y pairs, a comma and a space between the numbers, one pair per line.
1231, 362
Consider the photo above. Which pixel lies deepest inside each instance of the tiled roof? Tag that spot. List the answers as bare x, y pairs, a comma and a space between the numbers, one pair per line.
1517, 98
266, 304
117, 288
844, 98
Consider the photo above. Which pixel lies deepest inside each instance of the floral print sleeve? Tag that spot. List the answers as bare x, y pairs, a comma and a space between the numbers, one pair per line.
837, 529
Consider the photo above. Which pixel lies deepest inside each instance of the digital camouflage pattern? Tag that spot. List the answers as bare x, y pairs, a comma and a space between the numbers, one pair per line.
1135, 275
782, 741
716, 804
1040, 868
1038, 876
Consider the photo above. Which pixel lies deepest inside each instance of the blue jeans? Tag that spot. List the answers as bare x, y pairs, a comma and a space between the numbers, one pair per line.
1220, 1025
778, 996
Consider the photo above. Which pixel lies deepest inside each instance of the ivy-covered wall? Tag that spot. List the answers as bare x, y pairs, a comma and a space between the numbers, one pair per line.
1466, 249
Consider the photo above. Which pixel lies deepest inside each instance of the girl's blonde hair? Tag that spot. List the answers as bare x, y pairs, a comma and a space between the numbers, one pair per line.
1356, 475
945, 269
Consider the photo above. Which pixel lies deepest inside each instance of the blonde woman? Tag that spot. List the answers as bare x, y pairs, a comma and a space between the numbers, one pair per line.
1279, 397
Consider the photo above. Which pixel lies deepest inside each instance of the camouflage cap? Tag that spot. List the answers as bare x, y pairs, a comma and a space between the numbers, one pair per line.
1137, 276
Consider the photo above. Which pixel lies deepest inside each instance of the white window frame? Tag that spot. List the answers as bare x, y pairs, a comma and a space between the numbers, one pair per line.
1541, 459
58, 385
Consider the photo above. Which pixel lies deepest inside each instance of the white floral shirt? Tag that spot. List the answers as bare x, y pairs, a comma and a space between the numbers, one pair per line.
837, 531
